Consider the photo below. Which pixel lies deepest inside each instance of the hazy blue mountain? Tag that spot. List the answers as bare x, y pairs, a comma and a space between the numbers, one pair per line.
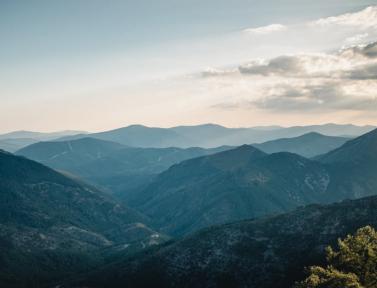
307, 145
12, 145
239, 136
67, 154
354, 166
328, 129
139, 136
51, 225
39, 135
125, 172
211, 135
359, 151
14, 141
232, 185
141, 160
267, 253
109, 164
267, 128
207, 135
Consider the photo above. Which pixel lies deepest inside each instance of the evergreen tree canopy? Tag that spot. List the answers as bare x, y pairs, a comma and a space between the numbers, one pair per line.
352, 265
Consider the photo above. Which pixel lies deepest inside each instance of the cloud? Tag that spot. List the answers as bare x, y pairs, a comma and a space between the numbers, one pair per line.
291, 97
358, 62
340, 81
369, 50
355, 39
317, 77
214, 72
282, 65
327, 95
266, 29
366, 18
364, 72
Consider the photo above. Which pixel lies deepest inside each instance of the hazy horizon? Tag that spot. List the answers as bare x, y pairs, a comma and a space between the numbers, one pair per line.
188, 125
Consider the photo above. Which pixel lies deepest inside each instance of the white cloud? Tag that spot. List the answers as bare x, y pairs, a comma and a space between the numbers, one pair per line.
356, 39
210, 71
366, 18
266, 29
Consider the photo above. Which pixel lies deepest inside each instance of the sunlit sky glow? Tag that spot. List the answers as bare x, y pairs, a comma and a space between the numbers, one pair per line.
96, 65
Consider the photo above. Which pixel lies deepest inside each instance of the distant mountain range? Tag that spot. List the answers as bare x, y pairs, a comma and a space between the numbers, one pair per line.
64, 155
49, 222
14, 141
210, 135
267, 253
41, 136
125, 170
245, 183
206, 136
307, 145
12, 145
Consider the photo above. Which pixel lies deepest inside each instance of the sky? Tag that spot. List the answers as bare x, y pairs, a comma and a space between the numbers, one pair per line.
97, 65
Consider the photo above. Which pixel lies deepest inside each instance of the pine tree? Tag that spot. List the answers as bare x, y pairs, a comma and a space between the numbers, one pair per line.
352, 265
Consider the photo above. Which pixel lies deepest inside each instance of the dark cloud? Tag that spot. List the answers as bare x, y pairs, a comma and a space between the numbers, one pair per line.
363, 72
283, 65
369, 50
297, 66
324, 96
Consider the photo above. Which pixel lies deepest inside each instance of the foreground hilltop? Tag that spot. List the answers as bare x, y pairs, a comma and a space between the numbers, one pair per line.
267, 253
51, 225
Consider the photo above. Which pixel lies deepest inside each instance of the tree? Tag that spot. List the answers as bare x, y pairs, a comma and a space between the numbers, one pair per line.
352, 265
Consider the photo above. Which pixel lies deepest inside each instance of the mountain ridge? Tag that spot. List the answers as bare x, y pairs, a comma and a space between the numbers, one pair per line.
262, 253
308, 145
213, 135
231, 185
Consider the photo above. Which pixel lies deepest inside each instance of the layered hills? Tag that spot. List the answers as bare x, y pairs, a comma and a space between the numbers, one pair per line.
246, 182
